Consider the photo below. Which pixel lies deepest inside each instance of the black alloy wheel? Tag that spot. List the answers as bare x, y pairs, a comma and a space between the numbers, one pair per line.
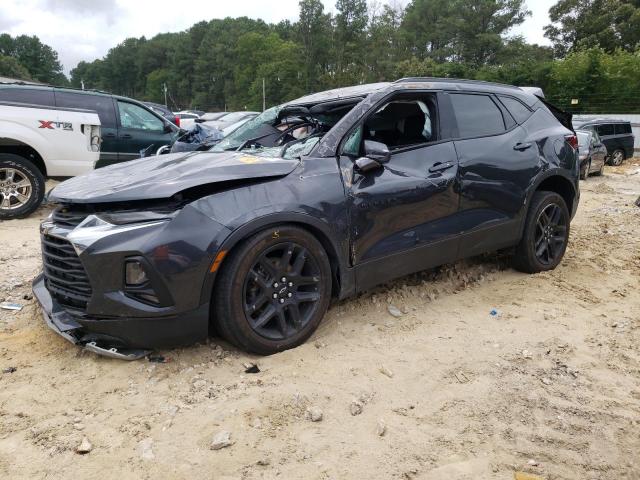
551, 234
272, 291
281, 291
546, 234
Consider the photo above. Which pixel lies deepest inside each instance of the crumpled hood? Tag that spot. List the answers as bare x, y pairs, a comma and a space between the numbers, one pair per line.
165, 175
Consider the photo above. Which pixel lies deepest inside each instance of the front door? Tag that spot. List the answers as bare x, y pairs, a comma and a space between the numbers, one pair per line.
138, 129
402, 214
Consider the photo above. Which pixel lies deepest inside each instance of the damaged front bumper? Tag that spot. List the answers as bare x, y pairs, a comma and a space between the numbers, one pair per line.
64, 324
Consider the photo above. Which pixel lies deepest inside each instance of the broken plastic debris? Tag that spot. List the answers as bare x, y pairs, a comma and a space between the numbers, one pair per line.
494, 313
251, 368
10, 306
9, 370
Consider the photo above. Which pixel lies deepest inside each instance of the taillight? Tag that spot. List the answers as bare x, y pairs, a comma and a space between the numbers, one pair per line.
572, 140
177, 121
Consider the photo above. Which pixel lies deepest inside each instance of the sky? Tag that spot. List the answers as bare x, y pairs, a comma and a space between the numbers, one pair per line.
87, 29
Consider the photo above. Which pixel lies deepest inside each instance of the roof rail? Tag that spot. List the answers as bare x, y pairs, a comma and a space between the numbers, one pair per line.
46, 85
452, 80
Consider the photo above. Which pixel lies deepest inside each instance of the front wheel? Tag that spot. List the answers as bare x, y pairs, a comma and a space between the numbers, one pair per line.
21, 187
273, 290
546, 234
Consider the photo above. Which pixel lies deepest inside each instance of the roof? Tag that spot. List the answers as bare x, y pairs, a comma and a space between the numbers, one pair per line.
526, 94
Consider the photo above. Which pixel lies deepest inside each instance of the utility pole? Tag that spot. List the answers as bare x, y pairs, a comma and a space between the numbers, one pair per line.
264, 96
165, 93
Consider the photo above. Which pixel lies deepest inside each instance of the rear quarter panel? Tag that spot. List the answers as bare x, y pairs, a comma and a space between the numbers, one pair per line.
65, 151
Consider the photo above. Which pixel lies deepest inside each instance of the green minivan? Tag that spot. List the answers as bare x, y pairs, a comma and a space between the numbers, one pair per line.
128, 126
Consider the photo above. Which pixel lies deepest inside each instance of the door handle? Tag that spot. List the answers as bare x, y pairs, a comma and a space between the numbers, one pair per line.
126, 136
440, 166
109, 135
522, 146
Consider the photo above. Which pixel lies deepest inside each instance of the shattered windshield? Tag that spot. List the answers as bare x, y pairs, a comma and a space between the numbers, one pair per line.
287, 131
247, 131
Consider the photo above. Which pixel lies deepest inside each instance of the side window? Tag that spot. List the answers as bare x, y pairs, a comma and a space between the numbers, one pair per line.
622, 128
102, 104
606, 129
32, 96
477, 115
353, 143
403, 122
518, 109
134, 116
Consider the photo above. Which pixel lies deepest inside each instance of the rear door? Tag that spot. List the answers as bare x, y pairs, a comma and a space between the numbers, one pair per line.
103, 105
625, 135
139, 128
496, 163
402, 214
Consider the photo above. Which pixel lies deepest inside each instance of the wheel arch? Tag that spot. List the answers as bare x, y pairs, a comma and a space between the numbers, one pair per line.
342, 278
559, 184
22, 149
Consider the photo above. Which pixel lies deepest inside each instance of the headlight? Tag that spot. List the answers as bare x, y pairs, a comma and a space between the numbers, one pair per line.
126, 218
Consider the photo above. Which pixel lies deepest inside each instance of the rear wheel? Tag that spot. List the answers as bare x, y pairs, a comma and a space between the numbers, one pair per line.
273, 290
546, 234
21, 187
617, 157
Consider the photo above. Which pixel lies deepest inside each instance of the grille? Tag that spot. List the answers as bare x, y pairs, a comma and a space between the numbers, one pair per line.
65, 277
68, 218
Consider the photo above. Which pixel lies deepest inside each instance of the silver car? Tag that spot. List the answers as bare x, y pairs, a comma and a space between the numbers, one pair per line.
592, 153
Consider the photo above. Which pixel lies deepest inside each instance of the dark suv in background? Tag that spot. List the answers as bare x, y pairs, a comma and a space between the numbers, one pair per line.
128, 126
320, 198
616, 135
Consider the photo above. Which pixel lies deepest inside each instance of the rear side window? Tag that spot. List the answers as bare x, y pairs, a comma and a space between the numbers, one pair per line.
31, 96
606, 129
518, 109
101, 104
622, 128
477, 115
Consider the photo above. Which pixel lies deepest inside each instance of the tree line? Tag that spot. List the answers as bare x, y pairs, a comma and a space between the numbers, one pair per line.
592, 66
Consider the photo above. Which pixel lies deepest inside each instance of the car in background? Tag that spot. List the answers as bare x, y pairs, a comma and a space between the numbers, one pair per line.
164, 111
211, 116
231, 118
187, 118
591, 152
127, 126
616, 135
320, 198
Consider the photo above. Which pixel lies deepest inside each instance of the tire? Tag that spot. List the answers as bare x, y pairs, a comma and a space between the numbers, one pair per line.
584, 174
254, 309
617, 157
21, 187
533, 253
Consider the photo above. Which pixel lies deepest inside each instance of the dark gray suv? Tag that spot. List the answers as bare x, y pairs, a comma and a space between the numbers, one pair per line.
616, 135
318, 199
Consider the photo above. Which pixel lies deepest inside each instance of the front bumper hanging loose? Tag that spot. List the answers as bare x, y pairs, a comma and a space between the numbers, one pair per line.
62, 323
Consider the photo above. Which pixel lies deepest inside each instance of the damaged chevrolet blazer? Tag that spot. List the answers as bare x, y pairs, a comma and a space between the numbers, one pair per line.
314, 200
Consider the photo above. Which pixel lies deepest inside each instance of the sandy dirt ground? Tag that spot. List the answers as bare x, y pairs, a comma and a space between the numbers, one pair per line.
549, 386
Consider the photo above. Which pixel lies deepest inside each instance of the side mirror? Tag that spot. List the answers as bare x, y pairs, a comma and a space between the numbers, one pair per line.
199, 120
167, 128
377, 151
376, 154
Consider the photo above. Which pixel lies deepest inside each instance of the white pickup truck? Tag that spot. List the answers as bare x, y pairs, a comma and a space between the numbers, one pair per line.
38, 142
